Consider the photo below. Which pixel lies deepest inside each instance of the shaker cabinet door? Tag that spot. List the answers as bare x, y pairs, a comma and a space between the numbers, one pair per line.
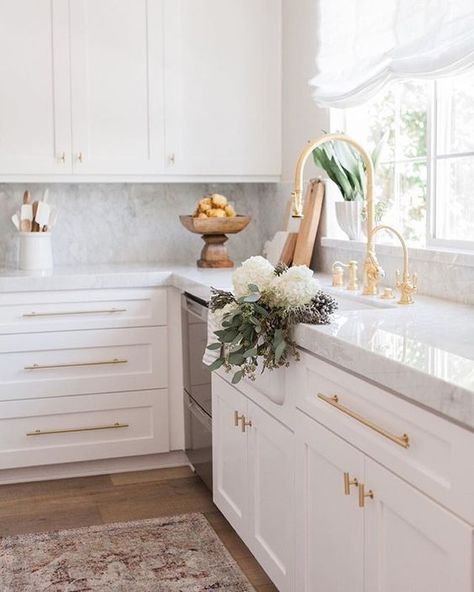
412, 543
230, 470
117, 86
329, 523
271, 496
223, 87
35, 132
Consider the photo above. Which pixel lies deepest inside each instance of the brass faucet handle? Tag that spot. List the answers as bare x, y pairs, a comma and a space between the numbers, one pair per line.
406, 287
353, 283
338, 274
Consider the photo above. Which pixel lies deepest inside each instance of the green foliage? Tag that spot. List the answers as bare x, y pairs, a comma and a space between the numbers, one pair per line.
345, 166
256, 331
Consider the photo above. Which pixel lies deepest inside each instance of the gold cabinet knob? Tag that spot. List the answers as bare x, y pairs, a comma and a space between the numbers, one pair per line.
348, 482
80, 157
62, 158
363, 495
172, 158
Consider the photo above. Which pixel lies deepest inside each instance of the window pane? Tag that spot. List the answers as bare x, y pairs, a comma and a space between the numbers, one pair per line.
456, 114
455, 199
413, 98
412, 179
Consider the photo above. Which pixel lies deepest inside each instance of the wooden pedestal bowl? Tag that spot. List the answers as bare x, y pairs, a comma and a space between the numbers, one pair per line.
214, 231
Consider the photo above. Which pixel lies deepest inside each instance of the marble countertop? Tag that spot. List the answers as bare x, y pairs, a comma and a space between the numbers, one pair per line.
423, 352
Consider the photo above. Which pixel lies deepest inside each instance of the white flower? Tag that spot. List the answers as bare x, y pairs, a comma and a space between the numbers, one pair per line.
295, 287
256, 270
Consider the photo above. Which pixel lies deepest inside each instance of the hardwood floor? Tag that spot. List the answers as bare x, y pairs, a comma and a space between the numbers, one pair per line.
72, 503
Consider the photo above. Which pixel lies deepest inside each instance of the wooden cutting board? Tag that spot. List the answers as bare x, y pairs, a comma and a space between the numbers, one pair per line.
309, 224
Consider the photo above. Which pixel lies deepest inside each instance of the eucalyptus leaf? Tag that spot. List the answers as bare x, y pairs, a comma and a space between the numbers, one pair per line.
237, 377
250, 353
255, 297
280, 350
214, 346
216, 364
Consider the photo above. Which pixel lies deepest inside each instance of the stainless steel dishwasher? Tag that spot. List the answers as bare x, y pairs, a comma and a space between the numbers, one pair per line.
197, 387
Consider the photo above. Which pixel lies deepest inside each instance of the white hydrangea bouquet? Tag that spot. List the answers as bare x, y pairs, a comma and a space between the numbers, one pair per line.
257, 318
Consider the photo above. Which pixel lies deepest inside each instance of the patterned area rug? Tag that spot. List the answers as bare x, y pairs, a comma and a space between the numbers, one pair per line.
174, 554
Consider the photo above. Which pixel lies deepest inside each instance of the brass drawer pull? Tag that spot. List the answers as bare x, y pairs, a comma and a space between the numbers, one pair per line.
237, 418
402, 440
245, 423
31, 315
113, 426
348, 482
363, 495
76, 364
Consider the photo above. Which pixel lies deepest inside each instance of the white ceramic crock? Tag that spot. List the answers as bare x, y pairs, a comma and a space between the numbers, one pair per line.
348, 214
36, 253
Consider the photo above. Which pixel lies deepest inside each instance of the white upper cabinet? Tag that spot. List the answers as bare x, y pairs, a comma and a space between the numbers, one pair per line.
140, 90
116, 81
35, 133
223, 87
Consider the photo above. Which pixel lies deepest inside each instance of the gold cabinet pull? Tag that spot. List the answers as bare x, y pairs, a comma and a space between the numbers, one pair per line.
402, 440
76, 364
30, 315
363, 495
62, 158
245, 424
237, 418
80, 157
348, 482
113, 426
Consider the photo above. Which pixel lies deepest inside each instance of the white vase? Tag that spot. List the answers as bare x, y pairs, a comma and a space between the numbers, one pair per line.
35, 251
348, 214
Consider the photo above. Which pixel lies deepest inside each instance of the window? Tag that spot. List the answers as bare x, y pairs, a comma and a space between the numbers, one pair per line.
425, 176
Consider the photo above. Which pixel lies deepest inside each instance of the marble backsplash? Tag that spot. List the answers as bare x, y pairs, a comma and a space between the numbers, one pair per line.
125, 223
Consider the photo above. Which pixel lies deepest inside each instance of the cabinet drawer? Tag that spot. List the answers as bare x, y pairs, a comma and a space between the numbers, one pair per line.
82, 362
69, 429
438, 459
82, 309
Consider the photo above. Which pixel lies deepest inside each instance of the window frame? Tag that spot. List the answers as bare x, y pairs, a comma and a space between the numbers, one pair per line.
338, 121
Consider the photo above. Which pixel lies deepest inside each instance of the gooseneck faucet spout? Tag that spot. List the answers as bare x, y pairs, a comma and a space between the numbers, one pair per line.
372, 269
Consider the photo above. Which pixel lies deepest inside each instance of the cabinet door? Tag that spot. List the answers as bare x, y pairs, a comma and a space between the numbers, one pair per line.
413, 544
271, 496
329, 524
116, 78
223, 87
34, 99
230, 473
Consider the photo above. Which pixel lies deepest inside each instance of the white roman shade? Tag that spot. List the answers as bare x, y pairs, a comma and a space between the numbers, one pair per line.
363, 44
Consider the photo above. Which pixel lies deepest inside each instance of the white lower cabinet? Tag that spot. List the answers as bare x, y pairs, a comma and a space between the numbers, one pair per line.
411, 543
394, 539
329, 525
254, 479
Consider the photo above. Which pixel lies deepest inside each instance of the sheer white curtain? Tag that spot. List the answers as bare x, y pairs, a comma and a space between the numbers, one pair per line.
365, 43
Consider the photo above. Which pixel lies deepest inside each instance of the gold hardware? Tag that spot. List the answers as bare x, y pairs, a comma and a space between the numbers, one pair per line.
172, 158
237, 418
245, 423
387, 294
72, 312
75, 364
62, 158
406, 287
363, 495
353, 283
403, 440
348, 482
80, 157
114, 426
371, 266
338, 274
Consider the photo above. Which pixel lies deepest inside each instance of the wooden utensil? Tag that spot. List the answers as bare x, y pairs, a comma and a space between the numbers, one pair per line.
26, 213
309, 224
35, 227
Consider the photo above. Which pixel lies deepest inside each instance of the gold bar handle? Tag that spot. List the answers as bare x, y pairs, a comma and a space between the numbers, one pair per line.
403, 440
114, 426
348, 482
72, 312
237, 418
363, 495
76, 364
